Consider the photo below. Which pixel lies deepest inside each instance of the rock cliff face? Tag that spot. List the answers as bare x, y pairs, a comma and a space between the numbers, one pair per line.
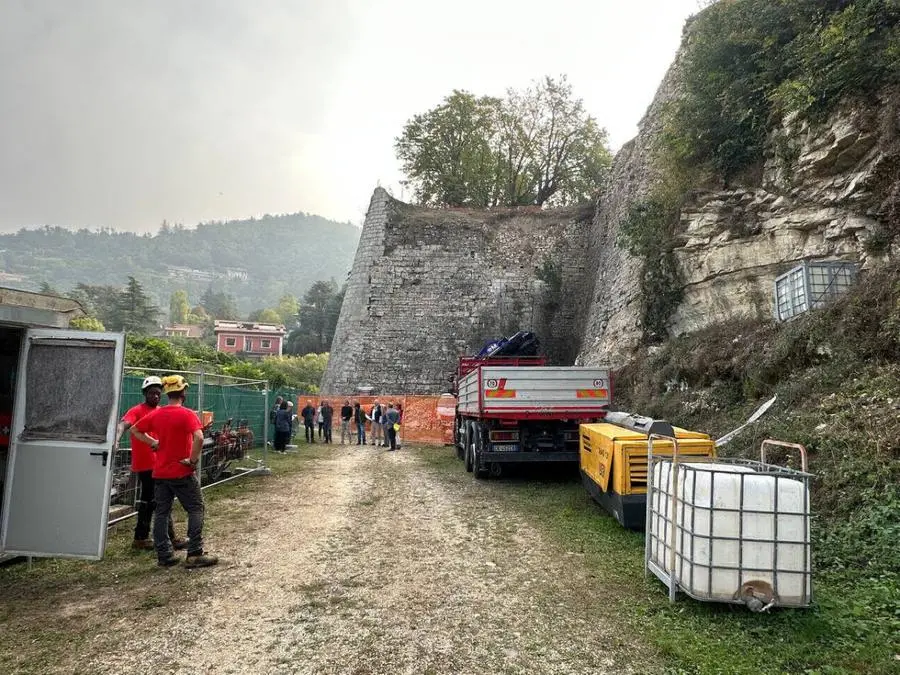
428, 285
827, 192
611, 315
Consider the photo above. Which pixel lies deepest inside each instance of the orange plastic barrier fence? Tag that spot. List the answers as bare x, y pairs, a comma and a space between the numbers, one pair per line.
426, 419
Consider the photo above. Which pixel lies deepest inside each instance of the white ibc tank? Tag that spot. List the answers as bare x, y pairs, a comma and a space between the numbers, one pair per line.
733, 525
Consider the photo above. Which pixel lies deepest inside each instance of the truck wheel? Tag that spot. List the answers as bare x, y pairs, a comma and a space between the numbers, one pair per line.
459, 439
477, 467
470, 446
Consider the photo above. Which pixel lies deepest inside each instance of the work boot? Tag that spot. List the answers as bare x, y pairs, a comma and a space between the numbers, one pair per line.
142, 545
167, 562
200, 560
180, 543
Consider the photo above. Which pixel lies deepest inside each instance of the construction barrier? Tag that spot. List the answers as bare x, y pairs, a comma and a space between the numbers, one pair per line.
426, 419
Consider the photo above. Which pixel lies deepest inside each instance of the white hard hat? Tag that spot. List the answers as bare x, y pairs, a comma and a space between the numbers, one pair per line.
151, 381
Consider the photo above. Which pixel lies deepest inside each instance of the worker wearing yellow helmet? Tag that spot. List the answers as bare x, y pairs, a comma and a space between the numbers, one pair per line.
175, 433
142, 457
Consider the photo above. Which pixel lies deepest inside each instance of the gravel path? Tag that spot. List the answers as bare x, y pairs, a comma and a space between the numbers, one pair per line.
370, 562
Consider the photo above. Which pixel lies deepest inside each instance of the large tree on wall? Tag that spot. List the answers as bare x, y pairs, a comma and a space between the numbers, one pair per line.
536, 146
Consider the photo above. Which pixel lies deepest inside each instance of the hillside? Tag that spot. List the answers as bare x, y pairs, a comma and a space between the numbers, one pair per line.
256, 260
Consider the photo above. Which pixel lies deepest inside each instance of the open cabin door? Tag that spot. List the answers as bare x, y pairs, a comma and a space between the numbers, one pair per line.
56, 500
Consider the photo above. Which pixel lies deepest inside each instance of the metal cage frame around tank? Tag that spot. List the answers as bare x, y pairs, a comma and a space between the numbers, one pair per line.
810, 285
674, 527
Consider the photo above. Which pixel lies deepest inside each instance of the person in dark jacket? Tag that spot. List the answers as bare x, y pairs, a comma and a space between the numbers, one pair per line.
327, 418
359, 417
392, 418
309, 421
282, 426
346, 416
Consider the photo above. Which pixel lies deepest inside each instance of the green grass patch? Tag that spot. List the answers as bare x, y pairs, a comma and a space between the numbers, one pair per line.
852, 628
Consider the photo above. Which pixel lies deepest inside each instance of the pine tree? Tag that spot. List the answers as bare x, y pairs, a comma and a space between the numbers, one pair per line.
137, 313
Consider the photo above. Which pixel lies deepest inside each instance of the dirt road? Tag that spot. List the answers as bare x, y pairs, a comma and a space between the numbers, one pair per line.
372, 562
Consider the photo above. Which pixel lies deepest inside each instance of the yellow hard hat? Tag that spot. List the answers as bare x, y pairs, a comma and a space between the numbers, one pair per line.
174, 383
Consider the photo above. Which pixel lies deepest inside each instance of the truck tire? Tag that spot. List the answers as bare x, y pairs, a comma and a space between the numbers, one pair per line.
459, 438
470, 446
477, 466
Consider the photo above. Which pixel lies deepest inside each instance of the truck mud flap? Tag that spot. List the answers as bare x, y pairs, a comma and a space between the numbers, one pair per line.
487, 457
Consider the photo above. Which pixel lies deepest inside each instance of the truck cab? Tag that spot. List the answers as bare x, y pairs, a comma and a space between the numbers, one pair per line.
59, 396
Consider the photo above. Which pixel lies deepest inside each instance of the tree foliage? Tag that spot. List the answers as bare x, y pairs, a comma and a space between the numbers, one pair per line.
179, 307
535, 146
316, 319
137, 314
219, 304
89, 323
749, 62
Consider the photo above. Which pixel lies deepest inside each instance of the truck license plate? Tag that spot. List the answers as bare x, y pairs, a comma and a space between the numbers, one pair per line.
505, 447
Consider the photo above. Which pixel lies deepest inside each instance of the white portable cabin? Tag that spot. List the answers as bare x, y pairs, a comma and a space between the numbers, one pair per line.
59, 398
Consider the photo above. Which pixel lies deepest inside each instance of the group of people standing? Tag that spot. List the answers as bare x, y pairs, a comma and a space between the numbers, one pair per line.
384, 421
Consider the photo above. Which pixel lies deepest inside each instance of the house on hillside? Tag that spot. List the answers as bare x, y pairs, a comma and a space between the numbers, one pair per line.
183, 330
249, 338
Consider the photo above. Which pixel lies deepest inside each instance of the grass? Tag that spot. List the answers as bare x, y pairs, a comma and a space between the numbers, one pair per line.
853, 627
57, 607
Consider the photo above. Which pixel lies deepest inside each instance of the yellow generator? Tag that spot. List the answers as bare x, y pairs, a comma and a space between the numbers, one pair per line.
613, 462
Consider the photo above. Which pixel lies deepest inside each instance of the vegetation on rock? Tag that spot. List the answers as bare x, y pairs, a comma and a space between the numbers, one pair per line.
748, 63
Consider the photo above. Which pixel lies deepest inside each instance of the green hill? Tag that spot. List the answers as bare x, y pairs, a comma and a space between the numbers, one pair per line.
255, 260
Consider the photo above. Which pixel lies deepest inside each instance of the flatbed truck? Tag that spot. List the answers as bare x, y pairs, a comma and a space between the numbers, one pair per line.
517, 409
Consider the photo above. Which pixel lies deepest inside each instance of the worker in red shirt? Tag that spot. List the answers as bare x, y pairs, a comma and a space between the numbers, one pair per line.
177, 438
142, 467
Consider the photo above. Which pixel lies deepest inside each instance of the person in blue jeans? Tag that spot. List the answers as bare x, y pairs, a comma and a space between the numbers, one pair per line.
359, 418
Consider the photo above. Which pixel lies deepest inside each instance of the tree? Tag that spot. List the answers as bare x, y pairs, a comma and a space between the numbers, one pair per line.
287, 310
137, 313
446, 152
87, 323
267, 315
179, 308
219, 304
317, 319
535, 146
102, 302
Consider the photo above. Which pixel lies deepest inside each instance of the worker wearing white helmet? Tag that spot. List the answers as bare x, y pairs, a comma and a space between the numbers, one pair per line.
175, 432
142, 466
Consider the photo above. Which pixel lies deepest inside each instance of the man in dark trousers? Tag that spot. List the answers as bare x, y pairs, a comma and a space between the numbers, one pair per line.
142, 467
309, 421
392, 418
177, 438
346, 416
327, 419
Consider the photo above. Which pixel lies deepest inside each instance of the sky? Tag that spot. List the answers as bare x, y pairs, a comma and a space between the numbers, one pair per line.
125, 113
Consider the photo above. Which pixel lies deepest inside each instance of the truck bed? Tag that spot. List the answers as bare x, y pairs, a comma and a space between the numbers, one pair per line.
535, 392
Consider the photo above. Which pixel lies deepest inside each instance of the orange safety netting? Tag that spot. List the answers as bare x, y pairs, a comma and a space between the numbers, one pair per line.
426, 419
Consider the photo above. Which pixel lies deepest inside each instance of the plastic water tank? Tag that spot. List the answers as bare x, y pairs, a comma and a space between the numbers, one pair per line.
731, 524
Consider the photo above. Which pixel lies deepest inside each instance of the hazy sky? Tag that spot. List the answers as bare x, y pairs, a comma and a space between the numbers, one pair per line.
123, 113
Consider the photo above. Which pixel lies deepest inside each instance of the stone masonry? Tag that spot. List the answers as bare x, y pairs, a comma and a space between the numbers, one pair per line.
428, 285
